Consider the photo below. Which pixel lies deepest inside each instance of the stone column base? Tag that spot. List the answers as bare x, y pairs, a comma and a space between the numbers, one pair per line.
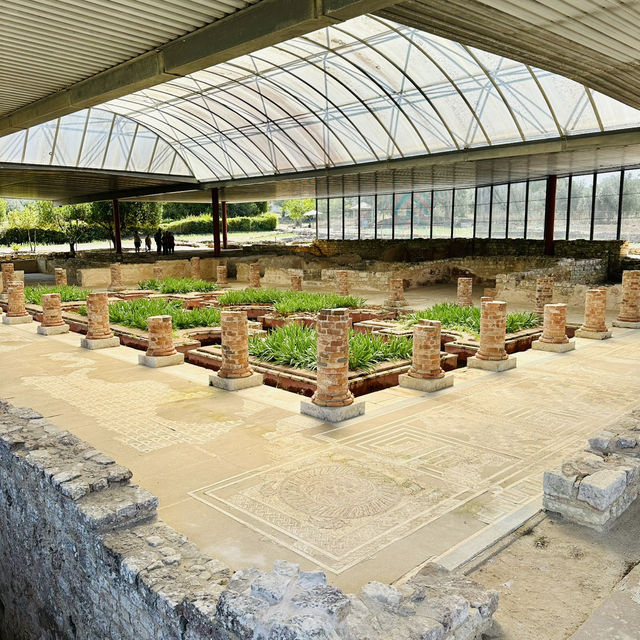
53, 331
235, 384
332, 414
560, 347
592, 335
102, 343
428, 385
492, 365
623, 324
16, 319
395, 304
160, 361
118, 289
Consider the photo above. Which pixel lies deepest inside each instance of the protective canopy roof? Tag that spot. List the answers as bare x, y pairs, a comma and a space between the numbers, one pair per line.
362, 91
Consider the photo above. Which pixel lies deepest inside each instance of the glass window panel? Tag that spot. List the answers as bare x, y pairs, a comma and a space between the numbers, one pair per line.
442, 204
630, 224
335, 218
12, 146
517, 202
499, 211
40, 143
367, 217
605, 217
615, 114
580, 207
142, 151
463, 213
351, 218
162, 158
69, 138
322, 208
96, 137
562, 193
535, 216
120, 143
402, 224
422, 214
385, 216
483, 203
180, 167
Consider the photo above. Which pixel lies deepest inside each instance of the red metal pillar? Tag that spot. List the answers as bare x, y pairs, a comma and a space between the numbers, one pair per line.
550, 214
224, 225
116, 226
215, 212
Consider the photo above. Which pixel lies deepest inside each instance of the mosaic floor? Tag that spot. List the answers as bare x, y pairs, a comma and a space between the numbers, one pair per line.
251, 480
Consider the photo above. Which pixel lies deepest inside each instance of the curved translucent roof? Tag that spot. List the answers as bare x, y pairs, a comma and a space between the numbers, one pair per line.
94, 139
361, 91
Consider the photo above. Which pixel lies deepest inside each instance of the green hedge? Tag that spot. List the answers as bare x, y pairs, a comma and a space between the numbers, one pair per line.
203, 224
16, 235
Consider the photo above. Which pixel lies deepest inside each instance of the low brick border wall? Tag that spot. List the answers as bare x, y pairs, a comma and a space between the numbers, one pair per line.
83, 555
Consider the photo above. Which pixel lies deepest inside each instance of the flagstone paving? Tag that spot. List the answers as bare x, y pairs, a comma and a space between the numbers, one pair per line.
250, 480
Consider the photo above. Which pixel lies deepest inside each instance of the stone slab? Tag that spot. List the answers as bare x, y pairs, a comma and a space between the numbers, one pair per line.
160, 361
593, 335
16, 319
428, 385
602, 488
562, 347
492, 365
332, 414
104, 343
623, 324
235, 384
53, 331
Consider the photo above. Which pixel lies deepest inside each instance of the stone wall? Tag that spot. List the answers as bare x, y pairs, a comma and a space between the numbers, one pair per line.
83, 556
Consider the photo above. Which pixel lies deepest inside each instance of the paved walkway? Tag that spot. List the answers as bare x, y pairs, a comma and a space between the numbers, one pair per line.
250, 480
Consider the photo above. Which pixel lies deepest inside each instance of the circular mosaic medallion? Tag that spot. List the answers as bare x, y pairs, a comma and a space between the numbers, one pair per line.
339, 492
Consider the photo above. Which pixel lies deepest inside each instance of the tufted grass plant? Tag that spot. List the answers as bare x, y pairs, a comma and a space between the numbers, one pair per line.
68, 293
134, 314
178, 285
296, 346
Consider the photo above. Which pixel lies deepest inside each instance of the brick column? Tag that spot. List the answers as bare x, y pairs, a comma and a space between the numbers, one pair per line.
464, 295
342, 282
544, 294
296, 282
116, 276
195, 268
554, 330
17, 307
61, 276
493, 331
7, 276
235, 372
161, 351
158, 271
52, 322
629, 315
98, 317
595, 325
221, 274
254, 276
396, 293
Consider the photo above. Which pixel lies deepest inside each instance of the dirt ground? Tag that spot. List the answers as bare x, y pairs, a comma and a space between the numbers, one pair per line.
552, 575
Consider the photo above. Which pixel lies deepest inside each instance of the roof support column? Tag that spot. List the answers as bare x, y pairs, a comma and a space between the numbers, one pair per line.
224, 225
550, 214
215, 214
117, 241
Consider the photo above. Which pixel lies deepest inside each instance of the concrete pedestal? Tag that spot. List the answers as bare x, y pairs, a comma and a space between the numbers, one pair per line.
332, 414
16, 319
103, 343
492, 365
53, 331
160, 361
235, 384
554, 347
429, 385
626, 325
593, 335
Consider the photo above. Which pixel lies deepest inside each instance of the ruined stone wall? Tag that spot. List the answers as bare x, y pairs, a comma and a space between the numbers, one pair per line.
84, 557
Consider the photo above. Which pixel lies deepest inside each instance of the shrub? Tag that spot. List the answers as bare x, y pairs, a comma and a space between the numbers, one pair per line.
68, 293
296, 346
134, 313
203, 224
290, 301
178, 285
17, 235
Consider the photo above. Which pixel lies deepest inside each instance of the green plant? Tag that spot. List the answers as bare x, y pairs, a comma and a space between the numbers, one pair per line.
68, 293
203, 224
296, 346
467, 319
178, 285
16, 247
134, 313
290, 301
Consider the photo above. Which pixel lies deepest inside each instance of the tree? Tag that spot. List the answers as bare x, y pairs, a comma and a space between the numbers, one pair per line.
3, 211
295, 209
26, 218
70, 220
101, 214
140, 215
246, 209
180, 210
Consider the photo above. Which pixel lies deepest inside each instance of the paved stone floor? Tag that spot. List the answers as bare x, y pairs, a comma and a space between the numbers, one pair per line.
250, 480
